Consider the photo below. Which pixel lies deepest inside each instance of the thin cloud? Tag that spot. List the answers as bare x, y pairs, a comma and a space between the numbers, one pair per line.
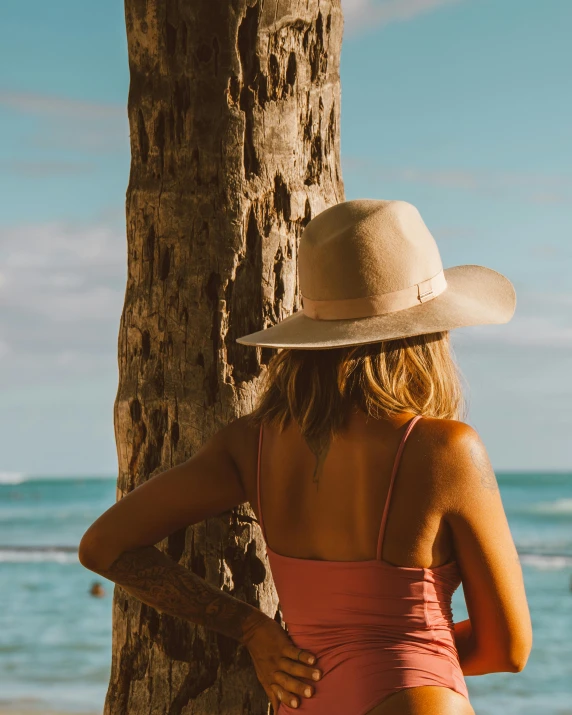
359, 14
542, 320
68, 124
534, 186
548, 198
95, 138
62, 287
47, 104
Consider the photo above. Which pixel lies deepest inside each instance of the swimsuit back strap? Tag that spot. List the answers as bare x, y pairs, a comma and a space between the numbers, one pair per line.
261, 523
391, 481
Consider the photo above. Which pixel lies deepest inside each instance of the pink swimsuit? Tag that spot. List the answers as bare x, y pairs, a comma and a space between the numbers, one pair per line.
375, 628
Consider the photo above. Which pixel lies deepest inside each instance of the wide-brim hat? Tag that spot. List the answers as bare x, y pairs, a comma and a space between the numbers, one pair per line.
370, 270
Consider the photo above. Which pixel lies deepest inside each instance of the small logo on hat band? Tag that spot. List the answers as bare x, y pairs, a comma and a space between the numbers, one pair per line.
382, 304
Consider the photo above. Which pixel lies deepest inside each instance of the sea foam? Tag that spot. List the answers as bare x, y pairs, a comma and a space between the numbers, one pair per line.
35, 554
12, 477
558, 506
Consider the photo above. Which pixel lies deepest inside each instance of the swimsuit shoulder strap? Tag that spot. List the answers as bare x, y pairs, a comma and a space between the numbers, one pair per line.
261, 523
392, 480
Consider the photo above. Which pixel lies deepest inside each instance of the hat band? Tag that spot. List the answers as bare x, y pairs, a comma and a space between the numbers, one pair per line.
342, 309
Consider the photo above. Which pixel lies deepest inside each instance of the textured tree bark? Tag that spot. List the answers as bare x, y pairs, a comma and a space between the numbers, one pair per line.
234, 110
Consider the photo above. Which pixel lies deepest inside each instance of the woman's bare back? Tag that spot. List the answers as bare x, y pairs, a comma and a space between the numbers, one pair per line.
445, 506
346, 494
334, 512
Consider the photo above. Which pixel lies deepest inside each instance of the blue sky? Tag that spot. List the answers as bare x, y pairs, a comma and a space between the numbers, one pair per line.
462, 107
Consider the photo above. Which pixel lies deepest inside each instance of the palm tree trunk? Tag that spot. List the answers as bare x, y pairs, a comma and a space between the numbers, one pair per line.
234, 111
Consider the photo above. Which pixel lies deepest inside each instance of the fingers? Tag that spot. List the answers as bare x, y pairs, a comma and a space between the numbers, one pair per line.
299, 669
283, 696
293, 686
303, 656
294, 662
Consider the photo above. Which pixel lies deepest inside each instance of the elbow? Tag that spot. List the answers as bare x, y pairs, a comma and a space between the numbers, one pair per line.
518, 656
515, 666
92, 553
517, 663
87, 552
510, 657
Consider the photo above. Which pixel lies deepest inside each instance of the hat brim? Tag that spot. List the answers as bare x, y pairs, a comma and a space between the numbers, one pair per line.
475, 295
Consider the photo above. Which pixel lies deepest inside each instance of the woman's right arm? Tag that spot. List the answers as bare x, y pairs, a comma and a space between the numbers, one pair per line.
498, 634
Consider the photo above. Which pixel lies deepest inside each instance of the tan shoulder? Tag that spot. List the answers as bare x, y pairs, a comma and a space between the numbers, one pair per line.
242, 428
240, 438
236, 430
453, 455
441, 434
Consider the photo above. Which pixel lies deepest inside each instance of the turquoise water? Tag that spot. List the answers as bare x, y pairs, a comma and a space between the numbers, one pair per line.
55, 638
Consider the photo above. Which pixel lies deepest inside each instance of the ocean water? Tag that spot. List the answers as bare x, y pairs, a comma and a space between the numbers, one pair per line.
55, 638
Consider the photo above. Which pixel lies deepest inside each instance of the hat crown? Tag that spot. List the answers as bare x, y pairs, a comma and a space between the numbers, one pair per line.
365, 247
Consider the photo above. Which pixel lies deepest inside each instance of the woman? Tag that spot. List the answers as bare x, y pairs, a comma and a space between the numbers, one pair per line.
375, 500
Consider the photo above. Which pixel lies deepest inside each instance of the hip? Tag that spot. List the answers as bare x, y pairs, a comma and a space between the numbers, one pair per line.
424, 700
378, 682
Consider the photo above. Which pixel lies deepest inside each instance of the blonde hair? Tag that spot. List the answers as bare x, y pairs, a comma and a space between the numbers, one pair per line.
318, 388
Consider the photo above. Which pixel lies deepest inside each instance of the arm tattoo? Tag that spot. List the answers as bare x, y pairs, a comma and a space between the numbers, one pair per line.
488, 478
157, 580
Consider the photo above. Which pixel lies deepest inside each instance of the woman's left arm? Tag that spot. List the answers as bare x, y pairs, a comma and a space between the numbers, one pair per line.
119, 545
154, 578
